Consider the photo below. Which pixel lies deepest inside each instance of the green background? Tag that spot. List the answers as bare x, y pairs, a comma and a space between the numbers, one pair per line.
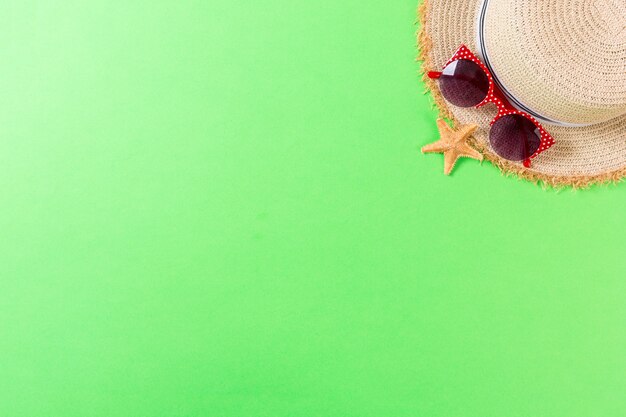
219, 208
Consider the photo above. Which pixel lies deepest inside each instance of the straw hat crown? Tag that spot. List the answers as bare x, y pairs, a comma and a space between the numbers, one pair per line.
564, 59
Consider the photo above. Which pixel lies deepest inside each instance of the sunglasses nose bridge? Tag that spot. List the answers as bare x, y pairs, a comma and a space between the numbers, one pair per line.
433, 75
493, 98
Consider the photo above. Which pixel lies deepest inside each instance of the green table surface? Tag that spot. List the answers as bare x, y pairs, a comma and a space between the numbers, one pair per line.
219, 208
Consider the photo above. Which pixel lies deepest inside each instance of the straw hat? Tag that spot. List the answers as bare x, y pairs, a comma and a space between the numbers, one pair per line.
564, 61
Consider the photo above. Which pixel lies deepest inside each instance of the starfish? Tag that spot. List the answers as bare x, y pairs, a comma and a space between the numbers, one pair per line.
453, 144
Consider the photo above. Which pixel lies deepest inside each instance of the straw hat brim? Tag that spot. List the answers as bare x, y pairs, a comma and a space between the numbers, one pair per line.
581, 156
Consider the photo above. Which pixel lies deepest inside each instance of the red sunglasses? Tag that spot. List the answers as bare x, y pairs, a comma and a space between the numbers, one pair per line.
514, 135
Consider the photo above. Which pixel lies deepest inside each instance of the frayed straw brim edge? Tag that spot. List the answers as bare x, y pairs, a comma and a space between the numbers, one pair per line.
424, 45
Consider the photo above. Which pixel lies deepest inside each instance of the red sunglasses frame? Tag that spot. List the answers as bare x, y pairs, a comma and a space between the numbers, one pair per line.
495, 96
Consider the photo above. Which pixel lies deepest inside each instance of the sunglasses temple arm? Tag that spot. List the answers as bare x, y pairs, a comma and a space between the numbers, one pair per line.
434, 74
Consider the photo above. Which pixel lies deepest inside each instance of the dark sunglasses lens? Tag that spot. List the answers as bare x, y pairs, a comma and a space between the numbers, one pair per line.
514, 137
463, 83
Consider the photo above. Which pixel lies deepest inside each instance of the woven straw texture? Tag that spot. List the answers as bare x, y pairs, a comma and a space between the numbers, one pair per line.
568, 58
581, 155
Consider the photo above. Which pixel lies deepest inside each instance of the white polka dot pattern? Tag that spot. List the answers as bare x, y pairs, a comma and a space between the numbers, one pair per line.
496, 97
